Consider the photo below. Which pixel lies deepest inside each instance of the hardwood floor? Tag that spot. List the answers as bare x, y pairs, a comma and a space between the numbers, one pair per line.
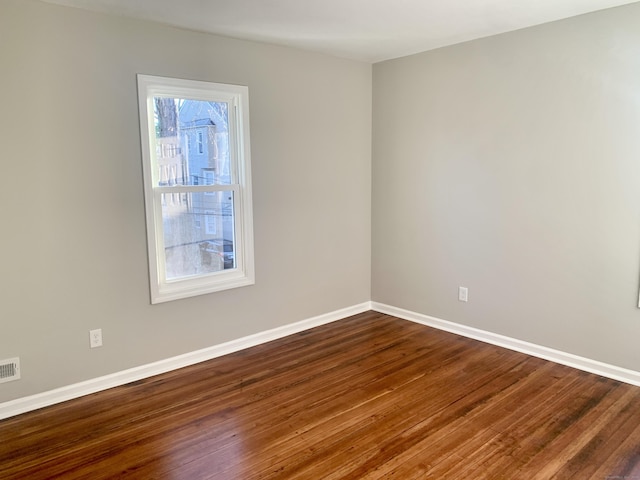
368, 397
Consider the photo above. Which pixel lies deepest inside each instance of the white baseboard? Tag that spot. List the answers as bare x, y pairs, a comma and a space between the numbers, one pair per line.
34, 402
592, 366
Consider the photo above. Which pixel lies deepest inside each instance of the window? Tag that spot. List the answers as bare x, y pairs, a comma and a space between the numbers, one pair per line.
200, 143
210, 222
181, 186
207, 176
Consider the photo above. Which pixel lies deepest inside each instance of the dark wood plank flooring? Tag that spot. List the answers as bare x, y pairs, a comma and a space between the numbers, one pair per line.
368, 397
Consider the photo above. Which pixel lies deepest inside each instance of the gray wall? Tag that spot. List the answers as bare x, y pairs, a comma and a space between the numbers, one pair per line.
511, 165
73, 245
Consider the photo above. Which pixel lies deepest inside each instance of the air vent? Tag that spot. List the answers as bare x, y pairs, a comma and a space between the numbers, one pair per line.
9, 370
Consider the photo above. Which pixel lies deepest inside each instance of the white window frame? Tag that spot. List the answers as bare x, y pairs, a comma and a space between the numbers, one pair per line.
237, 97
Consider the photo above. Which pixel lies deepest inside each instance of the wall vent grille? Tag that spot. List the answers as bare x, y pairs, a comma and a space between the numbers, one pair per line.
9, 370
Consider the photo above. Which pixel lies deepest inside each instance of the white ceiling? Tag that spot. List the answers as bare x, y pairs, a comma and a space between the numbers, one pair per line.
367, 30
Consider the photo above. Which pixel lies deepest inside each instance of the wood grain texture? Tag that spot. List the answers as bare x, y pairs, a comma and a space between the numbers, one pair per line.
367, 397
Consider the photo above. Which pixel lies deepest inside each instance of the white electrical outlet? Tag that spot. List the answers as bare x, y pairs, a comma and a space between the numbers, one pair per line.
95, 338
463, 294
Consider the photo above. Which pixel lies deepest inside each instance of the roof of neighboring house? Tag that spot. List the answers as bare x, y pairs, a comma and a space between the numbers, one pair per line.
199, 113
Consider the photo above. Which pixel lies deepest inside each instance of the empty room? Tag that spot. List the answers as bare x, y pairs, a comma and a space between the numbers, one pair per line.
320, 240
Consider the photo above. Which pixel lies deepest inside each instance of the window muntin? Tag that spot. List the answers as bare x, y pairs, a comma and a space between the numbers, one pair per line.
198, 200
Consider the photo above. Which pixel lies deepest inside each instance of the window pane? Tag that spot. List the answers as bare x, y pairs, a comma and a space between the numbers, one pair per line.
192, 142
198, 233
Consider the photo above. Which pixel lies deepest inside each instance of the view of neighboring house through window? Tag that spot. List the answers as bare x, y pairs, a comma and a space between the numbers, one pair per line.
197, 186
